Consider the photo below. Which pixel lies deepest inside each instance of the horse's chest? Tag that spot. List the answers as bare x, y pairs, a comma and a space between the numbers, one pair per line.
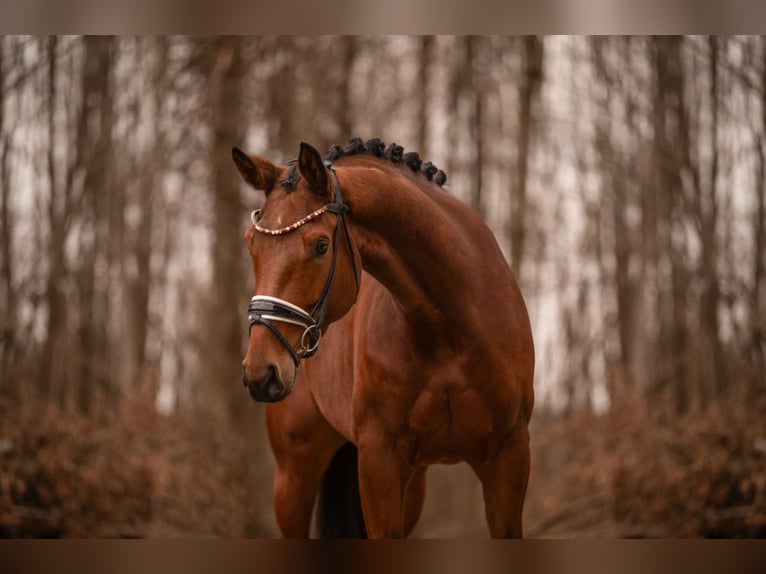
448, 423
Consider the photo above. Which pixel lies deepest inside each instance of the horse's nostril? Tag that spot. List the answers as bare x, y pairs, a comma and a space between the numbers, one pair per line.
272, 383
268, 388
274, 390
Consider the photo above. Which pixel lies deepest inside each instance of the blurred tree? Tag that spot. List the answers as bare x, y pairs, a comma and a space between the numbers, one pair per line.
425, 65
225, 106
344, 114
672, 155
474, 83
713, 374
101, 213
530, 80
614, 191
8, 300
151, 52
757, 326
52, 365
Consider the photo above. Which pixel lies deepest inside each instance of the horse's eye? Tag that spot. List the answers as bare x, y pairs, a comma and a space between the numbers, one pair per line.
321, 247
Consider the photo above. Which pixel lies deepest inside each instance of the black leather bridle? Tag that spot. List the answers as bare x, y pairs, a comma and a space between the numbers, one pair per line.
265, 309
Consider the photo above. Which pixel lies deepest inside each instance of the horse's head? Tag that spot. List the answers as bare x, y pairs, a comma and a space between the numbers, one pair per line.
305, 265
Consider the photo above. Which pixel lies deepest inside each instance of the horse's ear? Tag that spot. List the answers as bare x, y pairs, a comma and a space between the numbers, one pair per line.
312, 169
257, 172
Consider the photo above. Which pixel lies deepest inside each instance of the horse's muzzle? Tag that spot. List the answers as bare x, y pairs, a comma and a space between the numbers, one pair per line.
268, 389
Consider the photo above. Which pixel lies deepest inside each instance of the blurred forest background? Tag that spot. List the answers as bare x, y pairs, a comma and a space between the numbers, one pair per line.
624, 177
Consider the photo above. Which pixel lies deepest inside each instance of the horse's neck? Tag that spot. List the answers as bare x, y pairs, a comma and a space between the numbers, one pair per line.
407, 240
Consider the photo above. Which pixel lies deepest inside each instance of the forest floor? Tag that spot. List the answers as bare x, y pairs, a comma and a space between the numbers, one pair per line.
623, 474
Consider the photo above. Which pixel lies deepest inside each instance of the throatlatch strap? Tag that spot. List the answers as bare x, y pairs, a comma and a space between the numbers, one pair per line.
341, 214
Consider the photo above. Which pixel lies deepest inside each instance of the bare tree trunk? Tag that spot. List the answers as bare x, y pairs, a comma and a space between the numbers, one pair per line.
111, 233
52, 359
757, 313
282, 82
758, 297
676, 243
229, 280
614, 192
633, 301
456, 72
345, 119
425, 58
102, 211
474, 80
529, 89
637, 352
708, 214
625, 191
670, 143
242, 418
8, 303
138, 297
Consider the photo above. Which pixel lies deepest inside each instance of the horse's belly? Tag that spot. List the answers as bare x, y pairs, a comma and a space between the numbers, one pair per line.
448, 425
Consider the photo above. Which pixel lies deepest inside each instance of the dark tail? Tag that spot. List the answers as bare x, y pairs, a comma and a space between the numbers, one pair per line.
339, 509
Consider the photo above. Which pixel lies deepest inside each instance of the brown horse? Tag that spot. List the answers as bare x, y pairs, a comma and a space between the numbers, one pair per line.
426, 357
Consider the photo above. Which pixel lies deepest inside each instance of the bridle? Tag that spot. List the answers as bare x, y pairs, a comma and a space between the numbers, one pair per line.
265, 310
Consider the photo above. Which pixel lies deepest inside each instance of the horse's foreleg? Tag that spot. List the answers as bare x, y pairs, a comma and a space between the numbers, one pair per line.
504, 481
303, 453
382, 478
295, 491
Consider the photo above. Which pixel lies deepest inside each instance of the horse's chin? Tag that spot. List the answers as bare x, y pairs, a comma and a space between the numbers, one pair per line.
267, 395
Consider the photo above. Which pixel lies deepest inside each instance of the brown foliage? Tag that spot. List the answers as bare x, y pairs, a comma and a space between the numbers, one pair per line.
630, 474
634, 472
702, 475
128, 474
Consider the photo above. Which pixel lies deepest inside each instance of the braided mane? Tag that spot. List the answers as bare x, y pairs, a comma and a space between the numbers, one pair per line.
376, 147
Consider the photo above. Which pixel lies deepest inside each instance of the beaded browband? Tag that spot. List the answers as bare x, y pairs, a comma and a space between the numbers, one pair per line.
255, 216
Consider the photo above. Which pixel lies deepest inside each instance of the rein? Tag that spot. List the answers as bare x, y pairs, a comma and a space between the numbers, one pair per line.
265, 310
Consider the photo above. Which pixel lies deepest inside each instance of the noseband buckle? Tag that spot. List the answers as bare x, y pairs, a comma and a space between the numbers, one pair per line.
309, 341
